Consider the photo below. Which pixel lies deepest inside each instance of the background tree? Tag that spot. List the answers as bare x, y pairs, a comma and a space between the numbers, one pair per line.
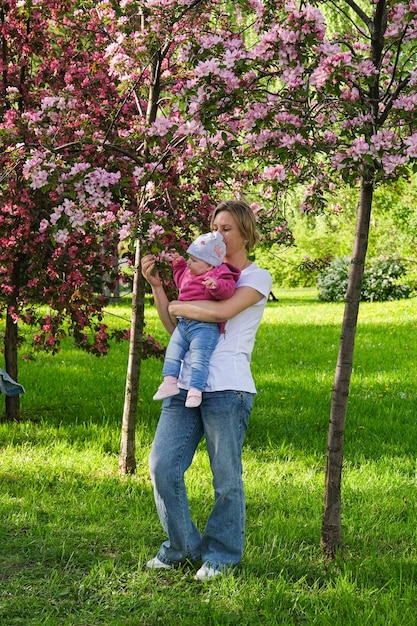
157, 54
330, 234
350, 97
381, 80
334, 108
62, 179
82, 169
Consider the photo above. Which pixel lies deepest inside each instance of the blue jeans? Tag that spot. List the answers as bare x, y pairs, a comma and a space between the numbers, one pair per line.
223, 419
200, 338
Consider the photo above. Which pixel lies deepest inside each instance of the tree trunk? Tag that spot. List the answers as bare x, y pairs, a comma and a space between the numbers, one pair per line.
127, 459
11, 346
10, 358
331, 537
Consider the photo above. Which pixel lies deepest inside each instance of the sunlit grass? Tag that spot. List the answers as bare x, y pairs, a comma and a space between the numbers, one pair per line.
75, 535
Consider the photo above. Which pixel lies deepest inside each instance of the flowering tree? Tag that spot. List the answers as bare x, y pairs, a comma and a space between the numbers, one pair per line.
82, 169
336, 108
95, 151
317, 105
66, 202
374, 67
187, 127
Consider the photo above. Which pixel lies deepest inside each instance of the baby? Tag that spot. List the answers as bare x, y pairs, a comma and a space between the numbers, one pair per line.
205, 276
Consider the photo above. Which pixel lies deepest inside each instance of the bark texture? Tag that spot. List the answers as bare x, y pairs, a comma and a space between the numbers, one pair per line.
331, 537
127, 459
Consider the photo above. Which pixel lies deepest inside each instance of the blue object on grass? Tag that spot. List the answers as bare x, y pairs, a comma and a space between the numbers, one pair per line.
8, 386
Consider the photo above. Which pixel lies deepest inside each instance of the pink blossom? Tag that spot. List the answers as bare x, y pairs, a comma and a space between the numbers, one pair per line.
205, 68
124, 232
191, 127
77, 219
359, 148
288, 141
397, 20
230, 57
61, 236
36, 160
43, 226
160, 126
330, 137
258, 6
293, 77
276, 172
207, 42
350, 94
155, 231
411, 143
288, 36
138, 173
384, 140
413, 76
229, 78
39, 178
390, 162
406, 102
254, 112
366, 68
56, 215
79, 167
284, 117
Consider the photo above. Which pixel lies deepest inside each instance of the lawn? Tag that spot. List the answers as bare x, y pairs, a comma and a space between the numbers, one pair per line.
75, 534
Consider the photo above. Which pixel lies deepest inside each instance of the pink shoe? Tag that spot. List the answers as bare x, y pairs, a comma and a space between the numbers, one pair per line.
167, 389
194, 398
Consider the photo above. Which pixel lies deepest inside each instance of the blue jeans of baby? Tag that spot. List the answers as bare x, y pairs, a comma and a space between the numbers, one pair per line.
222, 419
200, 338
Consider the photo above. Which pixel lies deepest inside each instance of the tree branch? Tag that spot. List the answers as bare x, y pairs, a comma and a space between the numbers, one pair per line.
358, 12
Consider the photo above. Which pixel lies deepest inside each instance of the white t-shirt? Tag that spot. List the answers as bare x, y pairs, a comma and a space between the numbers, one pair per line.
229, 367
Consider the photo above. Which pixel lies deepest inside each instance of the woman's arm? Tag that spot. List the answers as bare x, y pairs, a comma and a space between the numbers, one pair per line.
150, 272
216, 310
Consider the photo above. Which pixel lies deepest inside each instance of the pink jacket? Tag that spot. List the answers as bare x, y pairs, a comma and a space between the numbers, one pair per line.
192, 288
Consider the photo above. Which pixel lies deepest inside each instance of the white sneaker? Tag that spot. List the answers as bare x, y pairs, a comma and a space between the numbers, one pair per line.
207, 573
155, 563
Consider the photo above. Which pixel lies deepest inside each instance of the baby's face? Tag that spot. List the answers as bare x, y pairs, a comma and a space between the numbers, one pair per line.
197, 266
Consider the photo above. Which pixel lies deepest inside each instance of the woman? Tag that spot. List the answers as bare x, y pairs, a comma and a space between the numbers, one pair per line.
223, 415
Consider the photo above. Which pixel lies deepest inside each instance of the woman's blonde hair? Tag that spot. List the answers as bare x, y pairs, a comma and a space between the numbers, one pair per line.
245, 219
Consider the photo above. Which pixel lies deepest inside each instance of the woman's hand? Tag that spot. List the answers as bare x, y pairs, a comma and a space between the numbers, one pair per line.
149, 270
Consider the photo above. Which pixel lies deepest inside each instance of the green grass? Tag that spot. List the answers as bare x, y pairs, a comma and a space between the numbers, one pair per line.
75, 535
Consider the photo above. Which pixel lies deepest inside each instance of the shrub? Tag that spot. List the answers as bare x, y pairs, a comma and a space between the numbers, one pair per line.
380, 280
332, 281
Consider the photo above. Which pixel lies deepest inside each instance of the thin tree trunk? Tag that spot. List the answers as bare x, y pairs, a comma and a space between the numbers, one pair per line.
10, 358
11, 346
127, 459
331, 537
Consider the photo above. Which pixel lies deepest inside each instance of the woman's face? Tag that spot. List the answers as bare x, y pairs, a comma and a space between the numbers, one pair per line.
226, 224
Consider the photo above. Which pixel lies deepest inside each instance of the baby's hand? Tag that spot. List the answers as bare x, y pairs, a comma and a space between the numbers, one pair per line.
175, 257
210, 282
